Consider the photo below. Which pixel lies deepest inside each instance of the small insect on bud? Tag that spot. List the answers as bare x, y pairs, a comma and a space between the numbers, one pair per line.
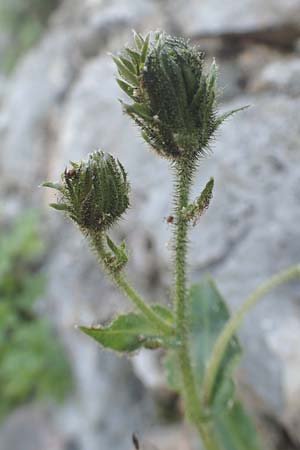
174, 98
70, 173
93, 193
170, 219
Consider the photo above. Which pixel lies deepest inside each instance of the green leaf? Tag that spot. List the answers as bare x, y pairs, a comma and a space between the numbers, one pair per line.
208, 316
127, 88
164, 313
119, 255
138, 39
232, 427
234, 430
145, 49
228, 114
128, 64
125, 73
132, 331
56, 186
195, 210
59, 206
135, 56
140, 110
200, 94
212, 78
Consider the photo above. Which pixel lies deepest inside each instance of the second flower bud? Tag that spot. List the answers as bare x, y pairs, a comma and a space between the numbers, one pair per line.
93, 193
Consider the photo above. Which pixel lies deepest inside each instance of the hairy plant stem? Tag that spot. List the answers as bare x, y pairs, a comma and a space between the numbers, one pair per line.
234, 323
97, 241
184, 173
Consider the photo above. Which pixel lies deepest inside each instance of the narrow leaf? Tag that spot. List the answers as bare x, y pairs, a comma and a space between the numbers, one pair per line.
126, 73
225, 116
196, 209
135, 57
120, 258
145, 49
128, 64
212, 79
115, 249
141, 110
56, 186
129, 90
59, 206
138, 39
200, 94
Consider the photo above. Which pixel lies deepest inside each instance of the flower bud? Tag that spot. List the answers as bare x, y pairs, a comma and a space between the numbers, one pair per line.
93, 193
174, 99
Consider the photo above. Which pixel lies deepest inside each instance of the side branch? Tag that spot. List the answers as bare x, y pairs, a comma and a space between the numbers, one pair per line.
234, 323
97, 241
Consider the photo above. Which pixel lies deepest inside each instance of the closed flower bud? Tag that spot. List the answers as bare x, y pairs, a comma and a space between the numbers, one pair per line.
93, 193
174, 99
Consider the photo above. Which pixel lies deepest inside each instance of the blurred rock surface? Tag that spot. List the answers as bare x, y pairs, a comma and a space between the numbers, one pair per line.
61, 104
34, 431
215, 17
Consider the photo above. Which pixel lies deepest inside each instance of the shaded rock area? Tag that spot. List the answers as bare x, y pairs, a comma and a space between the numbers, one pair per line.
60, 104
34, 431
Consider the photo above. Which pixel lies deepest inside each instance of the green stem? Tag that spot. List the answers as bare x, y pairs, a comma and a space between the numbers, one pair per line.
125, 287
234, 323
191, 395
120, 280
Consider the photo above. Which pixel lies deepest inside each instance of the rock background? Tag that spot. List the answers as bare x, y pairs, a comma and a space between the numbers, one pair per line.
60, 104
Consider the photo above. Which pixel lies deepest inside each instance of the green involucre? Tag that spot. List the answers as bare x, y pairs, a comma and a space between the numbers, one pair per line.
94, 194
174, 99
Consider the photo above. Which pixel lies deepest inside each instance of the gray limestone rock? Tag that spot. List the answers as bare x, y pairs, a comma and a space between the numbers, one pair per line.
217, 17
30, 428
62, 104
